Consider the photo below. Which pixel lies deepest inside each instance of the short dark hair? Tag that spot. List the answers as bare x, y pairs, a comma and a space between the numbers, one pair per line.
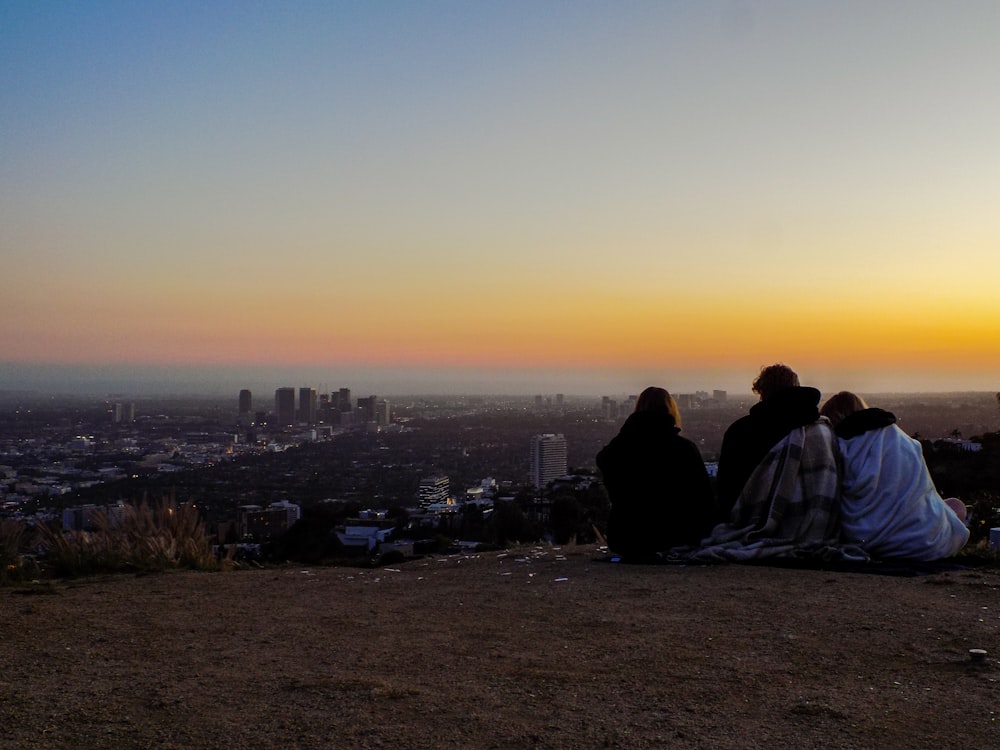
774, 378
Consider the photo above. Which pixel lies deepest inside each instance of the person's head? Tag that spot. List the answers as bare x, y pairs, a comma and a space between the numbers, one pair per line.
774, 378
841, 405
658, 399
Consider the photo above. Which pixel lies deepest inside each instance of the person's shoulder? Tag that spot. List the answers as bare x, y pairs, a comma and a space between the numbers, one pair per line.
793, 398
867, 420
651, 422
684, 442
742, 424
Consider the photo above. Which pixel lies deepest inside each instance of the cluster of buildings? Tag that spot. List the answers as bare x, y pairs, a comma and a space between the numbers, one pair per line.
257, 524
36, 470
613, 409
311, 408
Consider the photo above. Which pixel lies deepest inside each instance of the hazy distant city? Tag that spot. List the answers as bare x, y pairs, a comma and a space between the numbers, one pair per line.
255, 462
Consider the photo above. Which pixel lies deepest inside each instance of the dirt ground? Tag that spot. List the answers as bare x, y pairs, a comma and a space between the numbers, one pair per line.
532, 648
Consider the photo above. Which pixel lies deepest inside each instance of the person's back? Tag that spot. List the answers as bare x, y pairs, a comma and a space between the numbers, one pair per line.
784, 406
889, 505
659, 488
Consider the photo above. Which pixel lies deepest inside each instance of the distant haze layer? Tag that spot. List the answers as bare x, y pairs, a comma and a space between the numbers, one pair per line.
263, 380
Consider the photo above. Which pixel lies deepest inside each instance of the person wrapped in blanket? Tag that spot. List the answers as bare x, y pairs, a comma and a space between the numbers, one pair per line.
784, 405
657, 482
778, 482
889, 505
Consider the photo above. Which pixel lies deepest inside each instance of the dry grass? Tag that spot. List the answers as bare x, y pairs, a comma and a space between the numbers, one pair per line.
141, 538
11, 536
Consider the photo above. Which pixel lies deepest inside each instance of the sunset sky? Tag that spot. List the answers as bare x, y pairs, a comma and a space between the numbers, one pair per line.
574, 196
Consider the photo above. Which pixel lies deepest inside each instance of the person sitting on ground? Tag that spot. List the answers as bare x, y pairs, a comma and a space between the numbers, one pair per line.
788, 508
889, 505
784, 405
659, 488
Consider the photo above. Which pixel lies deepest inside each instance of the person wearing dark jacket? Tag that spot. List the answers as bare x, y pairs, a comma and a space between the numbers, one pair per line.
784, 405
660, 493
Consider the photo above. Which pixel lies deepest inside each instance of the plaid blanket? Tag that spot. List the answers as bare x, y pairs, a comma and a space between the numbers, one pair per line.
789, 508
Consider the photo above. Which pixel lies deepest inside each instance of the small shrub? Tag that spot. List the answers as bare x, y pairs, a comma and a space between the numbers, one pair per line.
982, 515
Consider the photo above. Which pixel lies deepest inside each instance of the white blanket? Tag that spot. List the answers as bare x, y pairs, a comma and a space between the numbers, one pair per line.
889, 505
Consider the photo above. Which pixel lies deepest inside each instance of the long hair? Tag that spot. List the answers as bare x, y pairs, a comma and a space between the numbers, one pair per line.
841, 405
655, 399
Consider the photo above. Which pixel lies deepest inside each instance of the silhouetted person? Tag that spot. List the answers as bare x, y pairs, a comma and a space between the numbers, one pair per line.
889, 505
660, 493
784, 405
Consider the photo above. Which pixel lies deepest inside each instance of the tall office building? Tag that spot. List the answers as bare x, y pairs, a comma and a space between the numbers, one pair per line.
343, 399
609, 408
284, 406
246, 407
368, 408
548, 458
627, 406
307, 405
384, 412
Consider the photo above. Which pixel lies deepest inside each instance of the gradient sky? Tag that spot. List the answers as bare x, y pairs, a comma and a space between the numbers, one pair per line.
553, 196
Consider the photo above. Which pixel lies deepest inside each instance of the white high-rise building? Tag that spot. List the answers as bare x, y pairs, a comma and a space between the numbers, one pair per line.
548, 458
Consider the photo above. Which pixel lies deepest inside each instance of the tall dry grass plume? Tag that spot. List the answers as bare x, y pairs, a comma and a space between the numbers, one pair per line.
135, 538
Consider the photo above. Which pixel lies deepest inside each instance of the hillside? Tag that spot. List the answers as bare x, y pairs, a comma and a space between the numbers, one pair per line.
537, 647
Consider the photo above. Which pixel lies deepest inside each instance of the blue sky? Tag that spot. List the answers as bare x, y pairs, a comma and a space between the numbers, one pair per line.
602, 194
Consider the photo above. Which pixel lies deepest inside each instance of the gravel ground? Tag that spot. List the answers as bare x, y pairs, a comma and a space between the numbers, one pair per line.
532, 648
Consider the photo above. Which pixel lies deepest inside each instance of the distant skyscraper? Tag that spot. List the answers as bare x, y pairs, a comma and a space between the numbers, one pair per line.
368, 408
307, 405
122, 413
284, 406
628, 406
344, 399
384, 412
246, 407
548, 458
719, 396
609, 407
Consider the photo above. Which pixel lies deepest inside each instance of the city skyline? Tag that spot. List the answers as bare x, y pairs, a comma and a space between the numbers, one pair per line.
154, 381
520, 198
